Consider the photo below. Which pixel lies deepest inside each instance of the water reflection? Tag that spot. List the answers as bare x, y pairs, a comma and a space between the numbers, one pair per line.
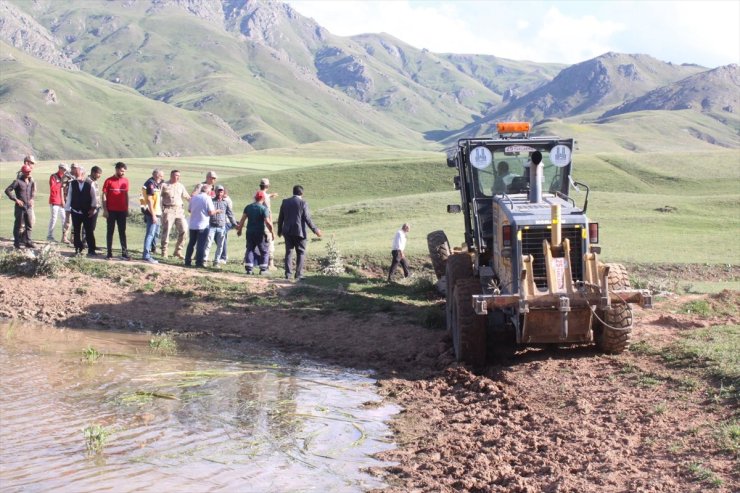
234, 419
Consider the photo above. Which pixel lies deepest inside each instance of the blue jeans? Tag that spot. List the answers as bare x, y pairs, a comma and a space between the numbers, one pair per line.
198, 240
224, 254
219, 235
150, 238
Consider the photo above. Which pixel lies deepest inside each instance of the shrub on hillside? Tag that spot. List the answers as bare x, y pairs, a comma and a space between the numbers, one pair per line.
332, 264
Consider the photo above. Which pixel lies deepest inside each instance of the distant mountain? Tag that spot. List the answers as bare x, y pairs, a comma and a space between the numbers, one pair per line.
270, 77
22, 31
713, 91
594, 84
508, 78
584, 88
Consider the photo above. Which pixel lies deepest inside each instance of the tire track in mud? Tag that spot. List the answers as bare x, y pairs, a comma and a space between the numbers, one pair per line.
557, 420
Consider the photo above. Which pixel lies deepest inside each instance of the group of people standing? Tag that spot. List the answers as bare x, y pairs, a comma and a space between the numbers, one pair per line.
75, 203
73, 200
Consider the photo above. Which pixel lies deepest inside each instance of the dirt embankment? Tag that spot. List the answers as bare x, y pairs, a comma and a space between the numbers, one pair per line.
549, 420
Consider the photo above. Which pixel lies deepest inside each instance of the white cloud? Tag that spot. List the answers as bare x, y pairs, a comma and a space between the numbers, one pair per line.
574, 39
705, 32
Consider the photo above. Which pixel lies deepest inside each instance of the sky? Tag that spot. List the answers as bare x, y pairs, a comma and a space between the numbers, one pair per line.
703, 32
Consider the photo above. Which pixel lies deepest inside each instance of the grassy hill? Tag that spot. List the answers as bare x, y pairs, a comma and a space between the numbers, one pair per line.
57, 112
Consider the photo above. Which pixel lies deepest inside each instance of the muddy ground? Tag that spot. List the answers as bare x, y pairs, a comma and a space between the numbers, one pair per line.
548, 420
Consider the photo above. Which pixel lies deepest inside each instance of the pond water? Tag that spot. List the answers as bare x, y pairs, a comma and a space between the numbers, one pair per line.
219, 415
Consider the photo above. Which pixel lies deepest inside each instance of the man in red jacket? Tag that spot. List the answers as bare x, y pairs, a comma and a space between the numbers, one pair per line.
57, 184
115, 208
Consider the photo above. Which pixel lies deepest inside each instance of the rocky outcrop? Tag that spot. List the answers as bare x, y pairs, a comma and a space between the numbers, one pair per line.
20, 30
716, 90
344, 72
209, 10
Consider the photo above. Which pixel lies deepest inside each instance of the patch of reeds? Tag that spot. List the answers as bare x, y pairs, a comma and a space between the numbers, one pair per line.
95, 437
164, 344
90, 355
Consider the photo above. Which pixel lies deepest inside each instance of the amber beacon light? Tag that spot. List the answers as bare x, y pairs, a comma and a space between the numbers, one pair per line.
513, 127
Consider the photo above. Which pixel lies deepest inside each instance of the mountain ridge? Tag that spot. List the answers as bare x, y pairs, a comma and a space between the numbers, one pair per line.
277, 78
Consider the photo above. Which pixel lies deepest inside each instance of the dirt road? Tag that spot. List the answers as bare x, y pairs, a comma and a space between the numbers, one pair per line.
549, 420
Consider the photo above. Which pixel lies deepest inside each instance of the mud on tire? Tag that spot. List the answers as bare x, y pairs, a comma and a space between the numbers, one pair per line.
614, 336
458, 266
469, 331
439, 251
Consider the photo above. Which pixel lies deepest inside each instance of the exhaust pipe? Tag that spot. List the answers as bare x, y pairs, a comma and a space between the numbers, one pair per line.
535, 178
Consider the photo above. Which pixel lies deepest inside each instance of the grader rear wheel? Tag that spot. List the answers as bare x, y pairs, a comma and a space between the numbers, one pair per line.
459, 266
613, 336
439, 251
469, 330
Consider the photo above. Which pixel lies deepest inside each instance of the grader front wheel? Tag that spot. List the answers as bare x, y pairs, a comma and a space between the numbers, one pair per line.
613, 336
439, 251
459, 266
469, 330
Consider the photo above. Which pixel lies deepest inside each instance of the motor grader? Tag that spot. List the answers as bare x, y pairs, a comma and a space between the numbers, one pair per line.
528, 272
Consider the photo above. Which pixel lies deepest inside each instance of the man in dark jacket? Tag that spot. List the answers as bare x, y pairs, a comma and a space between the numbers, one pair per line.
23, 192
82, 204
292, 221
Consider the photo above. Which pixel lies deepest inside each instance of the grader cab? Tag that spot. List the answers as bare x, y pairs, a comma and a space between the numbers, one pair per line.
529, 269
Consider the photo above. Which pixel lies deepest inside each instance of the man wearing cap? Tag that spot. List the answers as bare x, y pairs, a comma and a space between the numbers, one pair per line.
210, 180
57, 183
218, 223
82, 204
22, 191
152, 207
29, 160
293, 219
174, 196
259, 231
265, 186
229, 226
115, 208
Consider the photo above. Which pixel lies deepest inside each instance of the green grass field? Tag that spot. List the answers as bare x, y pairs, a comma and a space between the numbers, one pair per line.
361, 195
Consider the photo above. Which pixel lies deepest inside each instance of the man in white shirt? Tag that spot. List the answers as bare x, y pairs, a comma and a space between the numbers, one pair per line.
397, 248
201, 209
